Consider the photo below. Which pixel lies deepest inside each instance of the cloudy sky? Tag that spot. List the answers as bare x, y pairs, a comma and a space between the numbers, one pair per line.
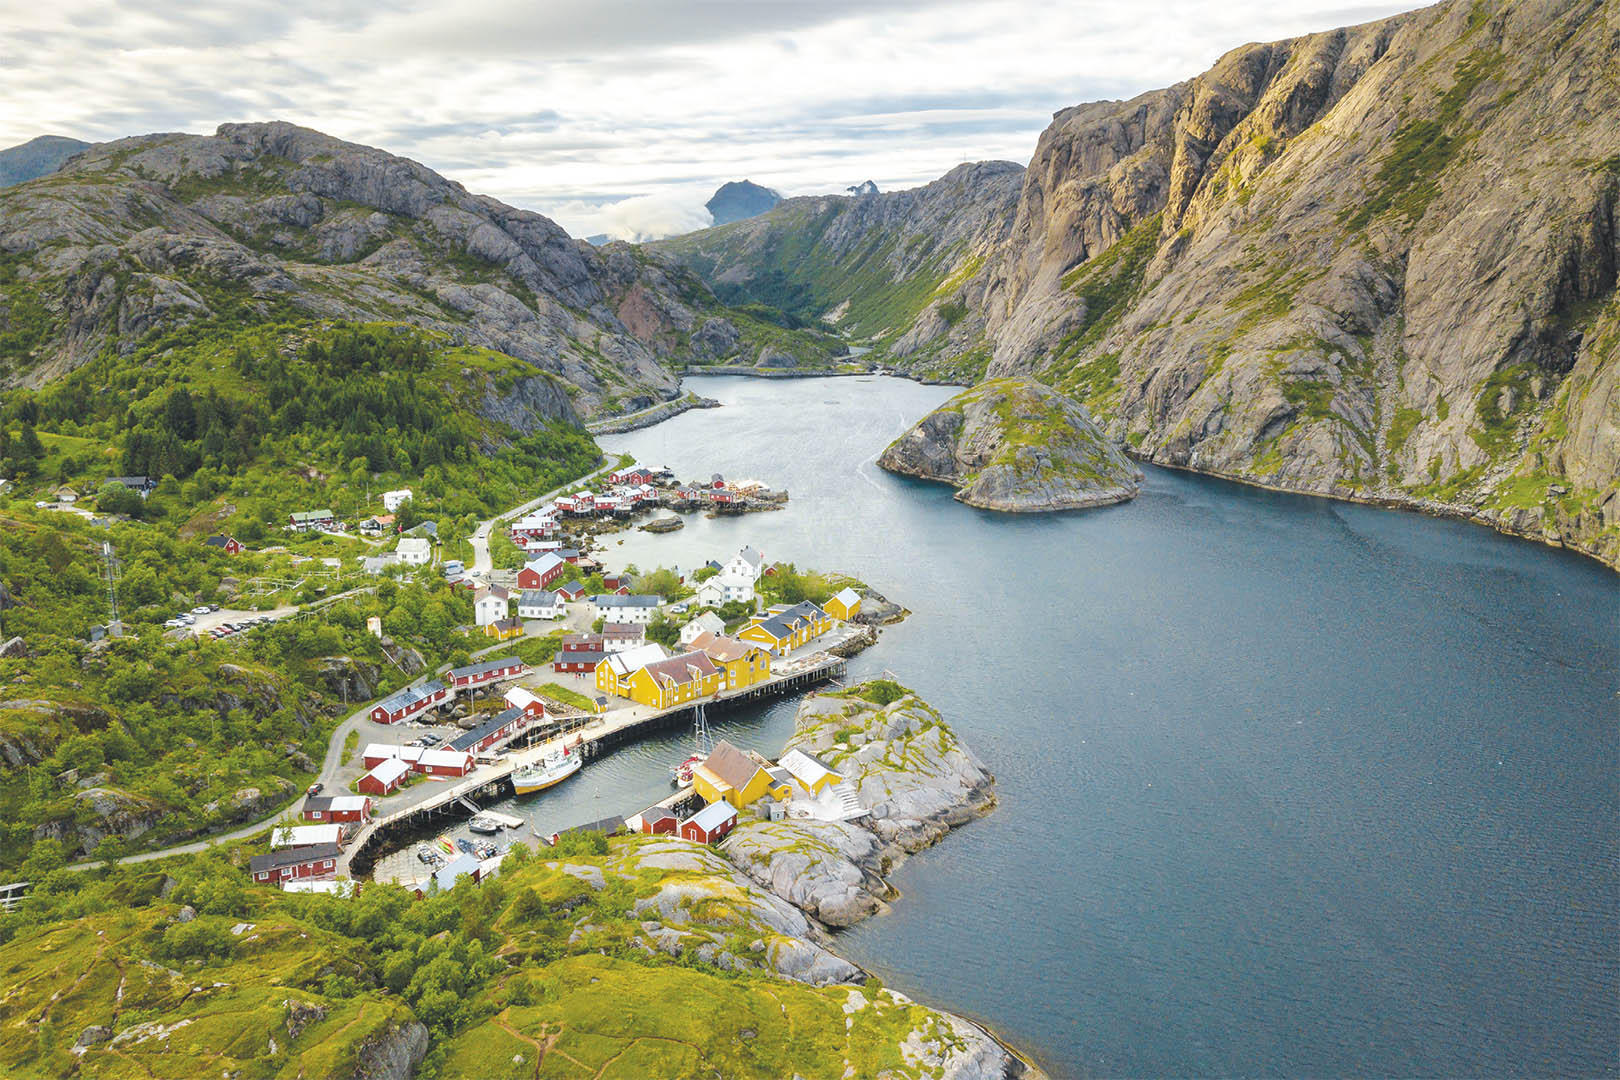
618, 116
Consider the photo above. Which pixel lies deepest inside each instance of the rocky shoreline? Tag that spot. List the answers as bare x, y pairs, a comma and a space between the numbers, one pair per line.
1015, 446
646, 418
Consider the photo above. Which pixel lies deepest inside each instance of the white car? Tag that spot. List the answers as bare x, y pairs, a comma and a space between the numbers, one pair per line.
172, 623
187, 618
202, 610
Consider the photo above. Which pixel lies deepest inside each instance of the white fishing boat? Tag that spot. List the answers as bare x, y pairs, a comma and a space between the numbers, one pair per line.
681, 774
557, 767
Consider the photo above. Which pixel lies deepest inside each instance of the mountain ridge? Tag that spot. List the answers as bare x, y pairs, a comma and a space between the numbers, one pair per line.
1375, 263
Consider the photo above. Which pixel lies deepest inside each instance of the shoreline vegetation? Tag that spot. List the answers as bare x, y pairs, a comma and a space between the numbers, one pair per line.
569, 950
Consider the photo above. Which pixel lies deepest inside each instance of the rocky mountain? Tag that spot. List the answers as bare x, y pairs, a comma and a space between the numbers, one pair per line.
1376, 263
740, 199
866, 187
276, 222
869, 264
1017, 446
37, 157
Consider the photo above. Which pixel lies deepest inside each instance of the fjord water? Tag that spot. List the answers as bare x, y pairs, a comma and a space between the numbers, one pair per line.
1287, 786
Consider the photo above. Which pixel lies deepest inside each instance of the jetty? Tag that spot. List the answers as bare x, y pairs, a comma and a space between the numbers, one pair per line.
588, 736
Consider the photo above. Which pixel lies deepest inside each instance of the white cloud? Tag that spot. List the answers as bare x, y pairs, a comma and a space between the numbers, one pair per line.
648, 217
575, 108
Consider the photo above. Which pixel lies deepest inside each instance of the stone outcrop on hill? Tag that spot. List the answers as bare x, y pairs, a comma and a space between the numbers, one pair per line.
1015, 445
912, 776
263, 221
1375, 263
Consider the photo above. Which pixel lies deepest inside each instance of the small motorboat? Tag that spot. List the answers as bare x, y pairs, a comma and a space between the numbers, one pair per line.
483, 823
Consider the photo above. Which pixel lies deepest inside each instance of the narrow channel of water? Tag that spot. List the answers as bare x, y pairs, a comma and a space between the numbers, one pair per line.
1288, 786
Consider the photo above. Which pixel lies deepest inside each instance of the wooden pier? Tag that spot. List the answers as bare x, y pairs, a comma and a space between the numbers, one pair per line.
590, 737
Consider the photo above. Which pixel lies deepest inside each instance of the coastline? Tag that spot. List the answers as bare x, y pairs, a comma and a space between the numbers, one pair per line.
645, 418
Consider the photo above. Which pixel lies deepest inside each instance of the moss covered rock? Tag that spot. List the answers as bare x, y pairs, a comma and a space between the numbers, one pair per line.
1015, 445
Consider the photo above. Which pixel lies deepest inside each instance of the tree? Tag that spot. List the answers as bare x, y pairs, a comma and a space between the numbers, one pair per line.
115, 498
662, 631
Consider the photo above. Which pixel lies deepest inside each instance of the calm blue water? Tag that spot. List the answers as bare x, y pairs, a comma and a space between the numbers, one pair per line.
1288, 787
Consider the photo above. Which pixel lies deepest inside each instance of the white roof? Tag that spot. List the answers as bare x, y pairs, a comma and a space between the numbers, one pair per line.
806, 769
713, 816
414, 543
708, 621
390, 770
519, 698
444, 757
543, 563
349, 802
301, 835
388, 750
634, 659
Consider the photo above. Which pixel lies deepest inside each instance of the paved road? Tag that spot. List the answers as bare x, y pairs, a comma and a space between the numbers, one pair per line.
480, 537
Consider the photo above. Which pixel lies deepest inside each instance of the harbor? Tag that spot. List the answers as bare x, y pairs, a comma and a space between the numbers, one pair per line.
588, 737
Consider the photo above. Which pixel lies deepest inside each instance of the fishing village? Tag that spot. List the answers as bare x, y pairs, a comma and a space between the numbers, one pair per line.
426, 766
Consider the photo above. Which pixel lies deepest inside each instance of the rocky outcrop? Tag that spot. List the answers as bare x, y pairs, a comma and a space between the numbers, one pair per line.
97, 813
1015, 445
394, 1053
910, 774
272, 221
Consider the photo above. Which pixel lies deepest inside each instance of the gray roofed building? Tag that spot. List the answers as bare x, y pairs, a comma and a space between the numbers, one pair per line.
275, 860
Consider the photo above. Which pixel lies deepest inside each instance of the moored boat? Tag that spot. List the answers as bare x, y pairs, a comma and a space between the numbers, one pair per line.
483, 823
556, 768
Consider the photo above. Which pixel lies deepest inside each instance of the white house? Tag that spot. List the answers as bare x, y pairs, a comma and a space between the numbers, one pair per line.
488, 607
708, 622
540, 604
393, 500
625, 609
748, 563
415, 550
726, 588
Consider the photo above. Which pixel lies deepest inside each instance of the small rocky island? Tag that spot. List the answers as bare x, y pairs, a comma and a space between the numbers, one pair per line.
1016, 446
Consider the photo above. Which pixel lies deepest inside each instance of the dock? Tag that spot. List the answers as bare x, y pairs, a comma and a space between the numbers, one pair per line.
590, 737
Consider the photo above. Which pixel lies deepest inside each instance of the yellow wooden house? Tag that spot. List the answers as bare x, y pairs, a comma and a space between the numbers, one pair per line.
846, 605
613, 671
673, 681
736, 777
809, 772
504, 629
741, 663
783, 629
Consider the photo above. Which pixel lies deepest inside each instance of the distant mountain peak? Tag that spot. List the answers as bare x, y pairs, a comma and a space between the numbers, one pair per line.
867, 188
739, 199
39, 156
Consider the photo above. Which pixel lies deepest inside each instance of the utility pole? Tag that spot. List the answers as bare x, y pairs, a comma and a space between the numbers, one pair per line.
110, 562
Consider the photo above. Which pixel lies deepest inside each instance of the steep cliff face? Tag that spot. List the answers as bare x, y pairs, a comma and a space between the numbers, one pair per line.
1375, 263
874, 265
1016, 446
262, 221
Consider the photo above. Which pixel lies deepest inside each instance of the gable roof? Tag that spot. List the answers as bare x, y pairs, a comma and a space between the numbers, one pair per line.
486, 666
778, 626
544, 563
630, 660
390, 769
467, 739
723, 648
463, 865
336, 802
305, 835
848, 596
807, 768
687, 667
713, 816
409, 696
656, 813
276, 860
613, 600
623, 629
751, 556
731, 765
538, 598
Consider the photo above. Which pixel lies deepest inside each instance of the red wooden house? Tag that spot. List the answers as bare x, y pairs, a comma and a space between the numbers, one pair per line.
492, 732
579, 652
521, 698
540, 572
481, 674
385, 777
337, 808
658, 821
445, 763
710, 824
408, 702
230, 545
290, 864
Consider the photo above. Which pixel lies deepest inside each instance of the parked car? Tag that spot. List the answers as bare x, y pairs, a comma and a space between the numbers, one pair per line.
431, 739
213, 608
171, 623
314, 789
200, 609
186, 617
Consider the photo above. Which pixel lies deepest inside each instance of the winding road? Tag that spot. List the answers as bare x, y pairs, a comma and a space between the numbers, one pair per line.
358, 720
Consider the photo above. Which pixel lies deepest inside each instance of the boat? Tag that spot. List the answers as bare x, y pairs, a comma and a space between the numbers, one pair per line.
557, 767
484, 823
426, 854
449, 848
683, 771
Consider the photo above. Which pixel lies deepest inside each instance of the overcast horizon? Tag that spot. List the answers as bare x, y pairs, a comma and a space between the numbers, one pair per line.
617, 117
